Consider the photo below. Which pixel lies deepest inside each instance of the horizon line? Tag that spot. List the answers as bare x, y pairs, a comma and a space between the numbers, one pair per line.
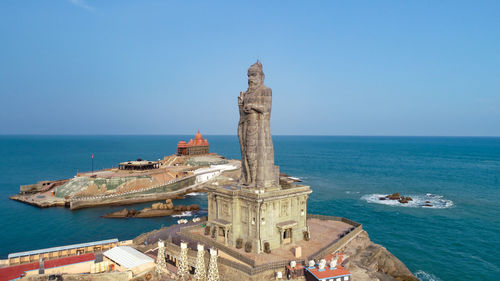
284, 135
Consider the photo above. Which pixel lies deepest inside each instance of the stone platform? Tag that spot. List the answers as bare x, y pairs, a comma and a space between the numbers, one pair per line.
323, 234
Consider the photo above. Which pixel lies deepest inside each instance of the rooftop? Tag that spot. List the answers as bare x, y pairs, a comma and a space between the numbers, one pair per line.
328, 272
68, 260
60, 248
127, 257
14, 272
138, 163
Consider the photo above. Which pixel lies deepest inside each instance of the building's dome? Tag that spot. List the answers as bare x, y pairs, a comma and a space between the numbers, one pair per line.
198, 136
181, 144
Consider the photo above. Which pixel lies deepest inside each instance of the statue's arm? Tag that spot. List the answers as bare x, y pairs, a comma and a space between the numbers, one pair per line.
240, 103
264, 106
258, 108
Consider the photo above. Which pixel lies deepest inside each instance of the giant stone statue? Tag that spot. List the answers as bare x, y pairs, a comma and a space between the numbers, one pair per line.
257, 211
257, 152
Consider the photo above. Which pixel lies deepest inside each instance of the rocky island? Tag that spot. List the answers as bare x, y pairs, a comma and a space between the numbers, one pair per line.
132, 182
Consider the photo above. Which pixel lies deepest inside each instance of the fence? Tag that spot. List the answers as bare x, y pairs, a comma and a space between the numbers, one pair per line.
250, 267
185, 232
340, 242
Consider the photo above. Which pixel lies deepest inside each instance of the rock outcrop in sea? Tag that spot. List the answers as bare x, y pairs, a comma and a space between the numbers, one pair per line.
396, 196
157, 210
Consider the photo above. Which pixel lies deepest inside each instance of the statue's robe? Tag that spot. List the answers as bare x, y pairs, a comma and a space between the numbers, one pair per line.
255, 139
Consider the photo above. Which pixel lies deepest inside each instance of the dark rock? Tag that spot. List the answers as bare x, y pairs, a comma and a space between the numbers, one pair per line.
169, 204
118, 214
152, 212
394, 196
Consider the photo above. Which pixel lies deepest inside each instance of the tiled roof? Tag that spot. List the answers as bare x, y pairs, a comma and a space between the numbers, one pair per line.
328, 273
14, 272
69, 260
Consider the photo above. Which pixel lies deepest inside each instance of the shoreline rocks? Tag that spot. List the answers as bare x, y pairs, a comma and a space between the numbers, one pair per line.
368, 261
156, 210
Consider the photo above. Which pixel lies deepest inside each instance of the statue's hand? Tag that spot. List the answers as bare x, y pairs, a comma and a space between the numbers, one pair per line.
247, 108
240, 101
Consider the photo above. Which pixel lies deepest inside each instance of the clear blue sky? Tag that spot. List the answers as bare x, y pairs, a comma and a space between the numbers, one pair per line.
171, 67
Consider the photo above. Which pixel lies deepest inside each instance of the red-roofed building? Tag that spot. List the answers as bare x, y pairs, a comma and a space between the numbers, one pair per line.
85, 258
197, 147
16, 271
336, 274
73, 264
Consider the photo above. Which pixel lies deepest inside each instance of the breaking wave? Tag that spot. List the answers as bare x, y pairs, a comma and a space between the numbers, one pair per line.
424, 276
194, 194
184, 214
428, 200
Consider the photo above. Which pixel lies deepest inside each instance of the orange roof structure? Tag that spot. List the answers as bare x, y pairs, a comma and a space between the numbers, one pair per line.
329, 273
198, 141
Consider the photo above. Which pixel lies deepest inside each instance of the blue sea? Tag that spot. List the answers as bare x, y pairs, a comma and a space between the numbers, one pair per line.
458, 238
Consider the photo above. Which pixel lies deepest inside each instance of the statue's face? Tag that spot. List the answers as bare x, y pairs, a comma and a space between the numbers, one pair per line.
254, 79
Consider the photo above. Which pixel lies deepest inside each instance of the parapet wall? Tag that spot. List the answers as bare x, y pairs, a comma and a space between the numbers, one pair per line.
338, 243
247, 266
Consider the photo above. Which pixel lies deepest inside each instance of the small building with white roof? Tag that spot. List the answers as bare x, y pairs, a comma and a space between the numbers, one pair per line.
127, 258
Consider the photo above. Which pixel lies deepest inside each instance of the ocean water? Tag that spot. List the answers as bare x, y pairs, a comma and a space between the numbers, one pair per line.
458, 238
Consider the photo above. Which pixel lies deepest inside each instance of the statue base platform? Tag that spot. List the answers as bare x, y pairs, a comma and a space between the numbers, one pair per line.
258, 219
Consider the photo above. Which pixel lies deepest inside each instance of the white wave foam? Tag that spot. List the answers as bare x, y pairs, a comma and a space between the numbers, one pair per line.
429, 200
194, 194
183, 214
424, 276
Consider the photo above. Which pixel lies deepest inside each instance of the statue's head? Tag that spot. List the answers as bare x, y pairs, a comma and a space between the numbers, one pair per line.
255, 75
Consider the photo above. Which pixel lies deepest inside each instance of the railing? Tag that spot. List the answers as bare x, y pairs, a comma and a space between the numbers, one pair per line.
212, 243
175, 249
236, 265
249, 264
340, 242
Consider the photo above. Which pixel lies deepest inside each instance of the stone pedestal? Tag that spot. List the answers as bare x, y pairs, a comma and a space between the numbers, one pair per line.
275, 216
